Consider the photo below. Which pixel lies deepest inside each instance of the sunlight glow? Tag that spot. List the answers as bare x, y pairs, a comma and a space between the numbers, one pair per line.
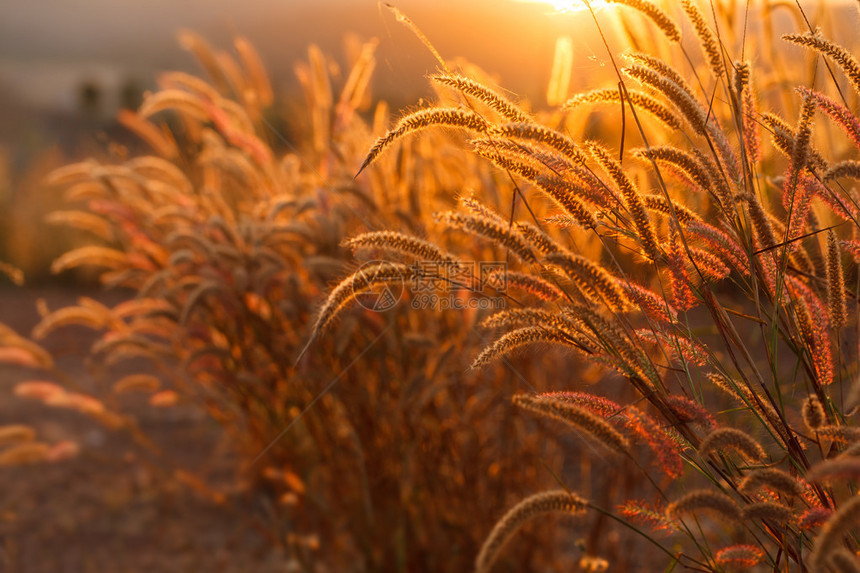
569, 5
559, 80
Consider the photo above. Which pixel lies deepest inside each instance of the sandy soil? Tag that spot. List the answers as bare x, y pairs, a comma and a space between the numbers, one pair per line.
114, 508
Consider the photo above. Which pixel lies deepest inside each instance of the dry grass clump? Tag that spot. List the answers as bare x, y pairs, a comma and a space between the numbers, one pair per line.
359, 428
711, 276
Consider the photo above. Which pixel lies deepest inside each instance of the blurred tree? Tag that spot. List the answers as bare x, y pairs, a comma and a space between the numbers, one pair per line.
90, 98
130, 94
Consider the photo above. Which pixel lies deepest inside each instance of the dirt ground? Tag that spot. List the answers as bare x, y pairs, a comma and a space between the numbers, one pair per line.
113, 508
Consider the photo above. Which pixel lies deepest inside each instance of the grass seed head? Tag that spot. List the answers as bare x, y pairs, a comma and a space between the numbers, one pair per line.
529, 508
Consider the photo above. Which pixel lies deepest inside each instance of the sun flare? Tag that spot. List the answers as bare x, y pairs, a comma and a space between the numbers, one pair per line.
568, 5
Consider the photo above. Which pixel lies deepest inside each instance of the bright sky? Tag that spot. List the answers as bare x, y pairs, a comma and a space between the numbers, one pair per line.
48, 45
45, 45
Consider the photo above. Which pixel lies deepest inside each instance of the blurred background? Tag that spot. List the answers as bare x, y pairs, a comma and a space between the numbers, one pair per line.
67, 68
57, 55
